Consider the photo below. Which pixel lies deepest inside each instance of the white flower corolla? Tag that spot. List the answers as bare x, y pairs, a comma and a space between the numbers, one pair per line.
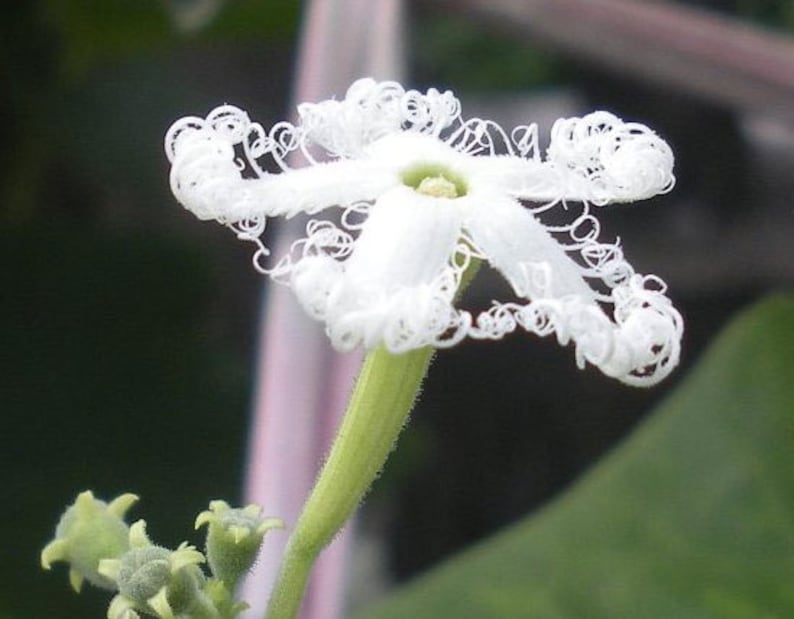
414, 193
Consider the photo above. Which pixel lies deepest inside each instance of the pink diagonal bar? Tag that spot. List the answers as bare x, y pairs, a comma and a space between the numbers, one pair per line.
303, 386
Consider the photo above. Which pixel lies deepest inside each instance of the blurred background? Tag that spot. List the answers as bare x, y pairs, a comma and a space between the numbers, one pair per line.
128, 328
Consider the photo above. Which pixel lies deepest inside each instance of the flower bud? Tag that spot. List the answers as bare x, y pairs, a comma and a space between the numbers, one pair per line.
88, 532
234, 536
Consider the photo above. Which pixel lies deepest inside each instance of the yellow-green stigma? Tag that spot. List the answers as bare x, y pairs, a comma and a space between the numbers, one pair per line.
435, 181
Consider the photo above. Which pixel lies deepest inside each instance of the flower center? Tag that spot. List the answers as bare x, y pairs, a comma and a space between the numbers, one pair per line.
434, 180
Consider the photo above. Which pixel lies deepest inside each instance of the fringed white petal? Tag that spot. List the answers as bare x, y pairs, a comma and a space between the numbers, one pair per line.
521, 178
371, 110
520, 247
406, 149
648, 335
397, 285
602, 159
207, 177
597, 159
639, 343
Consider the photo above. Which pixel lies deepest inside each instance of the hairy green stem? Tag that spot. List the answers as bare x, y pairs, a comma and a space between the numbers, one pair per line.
383, 397
382, 400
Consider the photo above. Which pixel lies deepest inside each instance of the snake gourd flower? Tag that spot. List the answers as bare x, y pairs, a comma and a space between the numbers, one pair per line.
404, 193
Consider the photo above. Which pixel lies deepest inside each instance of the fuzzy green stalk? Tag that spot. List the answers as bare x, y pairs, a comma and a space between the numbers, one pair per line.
382, 400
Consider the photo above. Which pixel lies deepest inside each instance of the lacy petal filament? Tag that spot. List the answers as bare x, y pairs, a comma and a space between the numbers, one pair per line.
404, 194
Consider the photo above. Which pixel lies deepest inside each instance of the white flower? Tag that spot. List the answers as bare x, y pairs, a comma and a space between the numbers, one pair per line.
419, 193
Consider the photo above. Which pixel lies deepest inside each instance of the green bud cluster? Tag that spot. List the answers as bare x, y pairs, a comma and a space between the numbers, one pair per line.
151, 580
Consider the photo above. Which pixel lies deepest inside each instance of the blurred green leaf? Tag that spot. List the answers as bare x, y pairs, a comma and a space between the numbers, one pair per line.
778, 14
92, 33
256, 20
451, 48
691, 518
